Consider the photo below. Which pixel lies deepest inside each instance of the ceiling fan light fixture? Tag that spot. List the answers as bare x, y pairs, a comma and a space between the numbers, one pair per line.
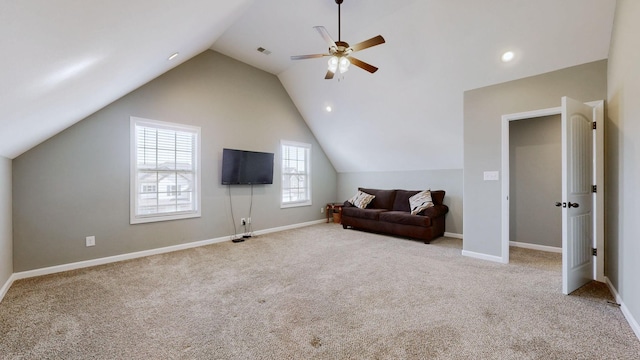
344, 65
333, 63
339, 63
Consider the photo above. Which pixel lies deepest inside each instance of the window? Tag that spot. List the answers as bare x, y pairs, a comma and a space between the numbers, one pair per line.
149, 191
296, 174
174, 190
149, 188
165, 171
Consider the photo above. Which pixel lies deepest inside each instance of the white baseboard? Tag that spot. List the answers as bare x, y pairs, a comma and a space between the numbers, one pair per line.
139, 254
483, 256
453, 235
288, 227
6, 286
552, 249
115, 258
625, 310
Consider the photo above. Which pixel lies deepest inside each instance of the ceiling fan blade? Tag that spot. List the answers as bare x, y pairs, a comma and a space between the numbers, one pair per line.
329, 75
325, 35
368, 43
312, 56
363, 65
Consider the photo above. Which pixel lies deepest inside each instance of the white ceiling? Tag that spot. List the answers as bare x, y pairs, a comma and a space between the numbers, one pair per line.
63, 60
407, 116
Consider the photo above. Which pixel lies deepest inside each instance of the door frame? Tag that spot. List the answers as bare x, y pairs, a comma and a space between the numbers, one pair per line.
598, 115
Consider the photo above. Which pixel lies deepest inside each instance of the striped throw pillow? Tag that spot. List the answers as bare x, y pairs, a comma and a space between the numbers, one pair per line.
420, 201
361, 199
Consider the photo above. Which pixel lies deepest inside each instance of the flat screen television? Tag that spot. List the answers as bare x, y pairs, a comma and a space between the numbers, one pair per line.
241, 167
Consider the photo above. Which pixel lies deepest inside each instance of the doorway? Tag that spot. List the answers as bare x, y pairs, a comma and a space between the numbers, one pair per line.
597, 109
535, 147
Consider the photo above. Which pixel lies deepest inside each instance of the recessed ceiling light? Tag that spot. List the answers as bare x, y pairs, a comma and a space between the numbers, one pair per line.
508, 56
329, 108
173, 56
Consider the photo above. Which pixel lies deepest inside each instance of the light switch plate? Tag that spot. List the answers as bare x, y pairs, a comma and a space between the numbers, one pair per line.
90, 241
491, 176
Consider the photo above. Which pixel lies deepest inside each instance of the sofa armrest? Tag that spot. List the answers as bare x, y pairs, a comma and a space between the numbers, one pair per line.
348, 204
435, 211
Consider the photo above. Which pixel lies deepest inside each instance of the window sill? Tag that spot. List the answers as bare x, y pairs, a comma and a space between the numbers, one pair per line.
157, 218
295, 204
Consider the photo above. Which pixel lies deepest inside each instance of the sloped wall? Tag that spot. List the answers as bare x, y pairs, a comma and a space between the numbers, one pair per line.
76, 184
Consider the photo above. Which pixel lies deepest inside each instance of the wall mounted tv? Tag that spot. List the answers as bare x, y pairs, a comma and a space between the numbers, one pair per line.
246, 167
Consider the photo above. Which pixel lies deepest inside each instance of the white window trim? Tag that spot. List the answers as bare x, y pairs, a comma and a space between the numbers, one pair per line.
284, 205
133, 178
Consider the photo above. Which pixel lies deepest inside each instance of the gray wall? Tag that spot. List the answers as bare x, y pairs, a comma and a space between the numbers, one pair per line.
6, 237
623, 157
483, 109
77, 183
448, 180
535, 164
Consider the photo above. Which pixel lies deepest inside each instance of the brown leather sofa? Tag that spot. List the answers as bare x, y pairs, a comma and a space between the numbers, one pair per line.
390, 213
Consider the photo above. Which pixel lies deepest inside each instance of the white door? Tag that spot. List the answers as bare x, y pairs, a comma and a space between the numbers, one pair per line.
577, 196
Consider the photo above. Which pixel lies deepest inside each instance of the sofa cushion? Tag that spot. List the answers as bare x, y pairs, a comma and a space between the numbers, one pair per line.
371, 214
361, 199
420, 201
384, 198
401, 202
437, 196
404, 218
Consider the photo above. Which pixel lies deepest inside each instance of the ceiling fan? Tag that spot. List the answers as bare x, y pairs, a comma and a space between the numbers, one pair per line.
340, 51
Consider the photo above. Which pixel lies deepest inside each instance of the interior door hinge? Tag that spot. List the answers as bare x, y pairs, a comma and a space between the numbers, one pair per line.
594, 188
594, 251
594, 126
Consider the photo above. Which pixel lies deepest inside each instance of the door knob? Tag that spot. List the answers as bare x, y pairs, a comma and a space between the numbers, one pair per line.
575, 205
558, 204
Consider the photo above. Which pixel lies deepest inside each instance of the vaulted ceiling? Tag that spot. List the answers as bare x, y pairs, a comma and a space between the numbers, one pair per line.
63, 60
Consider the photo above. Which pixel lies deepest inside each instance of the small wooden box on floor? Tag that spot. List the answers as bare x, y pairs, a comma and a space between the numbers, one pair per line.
335, 210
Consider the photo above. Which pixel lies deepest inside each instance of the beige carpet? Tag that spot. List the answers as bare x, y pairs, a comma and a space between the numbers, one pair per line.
319, 292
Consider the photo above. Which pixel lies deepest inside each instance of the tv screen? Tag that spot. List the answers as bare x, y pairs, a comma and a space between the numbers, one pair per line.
246, 167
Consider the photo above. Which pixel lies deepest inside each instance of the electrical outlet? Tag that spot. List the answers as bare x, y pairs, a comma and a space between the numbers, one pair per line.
321, 210
248, 220
243, 221
90, 241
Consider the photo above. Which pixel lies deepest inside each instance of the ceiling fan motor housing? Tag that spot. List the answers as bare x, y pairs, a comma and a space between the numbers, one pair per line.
342, 49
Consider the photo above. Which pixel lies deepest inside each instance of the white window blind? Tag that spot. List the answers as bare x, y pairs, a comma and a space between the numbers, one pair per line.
165, 178
296, 174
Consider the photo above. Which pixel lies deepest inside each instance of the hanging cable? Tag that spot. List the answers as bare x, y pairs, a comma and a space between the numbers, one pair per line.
234, 238
250, 232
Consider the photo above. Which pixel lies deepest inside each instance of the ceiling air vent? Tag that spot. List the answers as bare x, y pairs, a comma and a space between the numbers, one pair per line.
263, 50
